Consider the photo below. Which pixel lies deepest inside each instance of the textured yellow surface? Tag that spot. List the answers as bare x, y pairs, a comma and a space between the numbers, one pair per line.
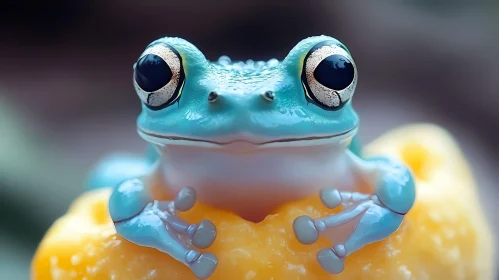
444, 236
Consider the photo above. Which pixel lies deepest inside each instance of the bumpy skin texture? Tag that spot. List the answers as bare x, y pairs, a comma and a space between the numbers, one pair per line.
240, 86
444, 236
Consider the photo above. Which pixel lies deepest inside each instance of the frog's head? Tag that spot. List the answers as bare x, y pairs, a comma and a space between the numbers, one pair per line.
303, 100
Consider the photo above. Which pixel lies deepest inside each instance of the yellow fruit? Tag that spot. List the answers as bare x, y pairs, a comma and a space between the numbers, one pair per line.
444, 236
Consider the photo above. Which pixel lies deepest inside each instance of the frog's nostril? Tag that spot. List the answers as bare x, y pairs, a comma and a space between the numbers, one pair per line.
213, 97
269, 96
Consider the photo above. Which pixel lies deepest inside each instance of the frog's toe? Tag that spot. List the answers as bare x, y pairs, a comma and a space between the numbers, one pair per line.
204, 265
204, 234
330, 261
331, 198
185, 200
305, 230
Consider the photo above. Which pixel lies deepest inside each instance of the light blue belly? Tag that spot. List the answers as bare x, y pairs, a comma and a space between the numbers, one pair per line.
254, 183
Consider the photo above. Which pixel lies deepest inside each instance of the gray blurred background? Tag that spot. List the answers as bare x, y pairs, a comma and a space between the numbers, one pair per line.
66, 95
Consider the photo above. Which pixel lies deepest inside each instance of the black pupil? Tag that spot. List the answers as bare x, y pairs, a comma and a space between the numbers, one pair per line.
335, 72
152, 73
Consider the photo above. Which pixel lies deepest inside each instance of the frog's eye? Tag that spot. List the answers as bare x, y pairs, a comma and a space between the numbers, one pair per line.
329, 75
159, 76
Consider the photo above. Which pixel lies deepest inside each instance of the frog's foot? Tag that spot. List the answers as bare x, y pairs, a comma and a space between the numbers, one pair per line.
307, 230
159, 227
332, 260
201, 235
185, 200
375, 222
201, 264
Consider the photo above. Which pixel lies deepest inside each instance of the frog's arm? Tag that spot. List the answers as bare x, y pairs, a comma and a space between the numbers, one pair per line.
393, 182
115, 168
147, 222
379, 214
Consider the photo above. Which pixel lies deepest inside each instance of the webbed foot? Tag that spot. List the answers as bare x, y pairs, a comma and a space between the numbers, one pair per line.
202, 264
307, 230
375, 222
331, 198
158, 226
330, 261
202, 235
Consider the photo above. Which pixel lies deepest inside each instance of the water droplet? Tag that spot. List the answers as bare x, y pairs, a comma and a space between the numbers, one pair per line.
250, 63
272, 63
224, 60
260, 64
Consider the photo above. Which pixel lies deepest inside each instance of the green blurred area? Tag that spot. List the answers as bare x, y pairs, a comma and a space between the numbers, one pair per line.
35, 187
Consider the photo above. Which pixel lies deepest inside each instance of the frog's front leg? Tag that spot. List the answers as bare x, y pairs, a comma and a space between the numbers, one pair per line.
150, 223
379, 214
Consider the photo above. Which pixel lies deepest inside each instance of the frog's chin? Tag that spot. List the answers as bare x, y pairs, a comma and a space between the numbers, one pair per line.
247, 143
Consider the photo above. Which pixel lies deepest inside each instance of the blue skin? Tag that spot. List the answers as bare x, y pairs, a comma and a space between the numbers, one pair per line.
264, 124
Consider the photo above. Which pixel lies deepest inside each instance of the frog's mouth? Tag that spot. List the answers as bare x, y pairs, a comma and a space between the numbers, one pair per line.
162, 140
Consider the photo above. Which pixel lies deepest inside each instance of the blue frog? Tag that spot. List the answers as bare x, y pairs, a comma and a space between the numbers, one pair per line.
247, 137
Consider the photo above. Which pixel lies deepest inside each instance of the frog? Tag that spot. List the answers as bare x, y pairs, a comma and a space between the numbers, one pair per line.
247, 137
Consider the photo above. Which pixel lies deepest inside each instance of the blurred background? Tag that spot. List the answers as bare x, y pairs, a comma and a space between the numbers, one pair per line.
66, 95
